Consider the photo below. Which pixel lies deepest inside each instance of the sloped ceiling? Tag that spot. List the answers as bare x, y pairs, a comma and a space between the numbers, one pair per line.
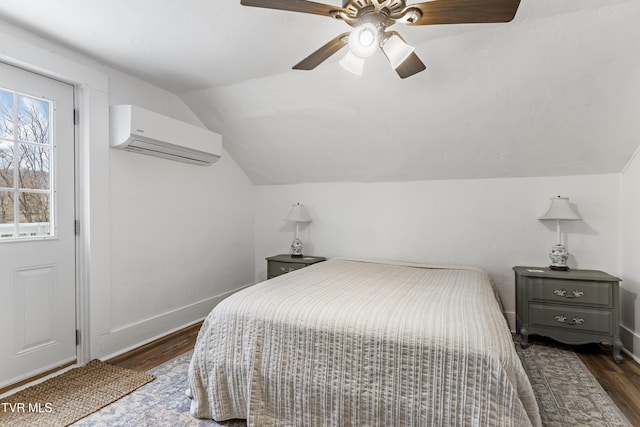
555, 92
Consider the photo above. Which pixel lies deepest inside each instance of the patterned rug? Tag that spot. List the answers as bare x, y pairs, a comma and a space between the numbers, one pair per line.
568, 395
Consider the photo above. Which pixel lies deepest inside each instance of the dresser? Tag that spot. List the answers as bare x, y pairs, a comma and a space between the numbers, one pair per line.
573, 306
281, 264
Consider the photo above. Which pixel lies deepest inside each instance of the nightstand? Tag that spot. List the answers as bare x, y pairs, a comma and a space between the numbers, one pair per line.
281, 264
573, 306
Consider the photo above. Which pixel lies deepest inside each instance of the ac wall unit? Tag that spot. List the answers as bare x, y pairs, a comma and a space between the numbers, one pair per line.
141, 131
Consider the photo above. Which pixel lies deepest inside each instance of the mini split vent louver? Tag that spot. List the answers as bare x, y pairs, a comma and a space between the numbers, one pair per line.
141, 131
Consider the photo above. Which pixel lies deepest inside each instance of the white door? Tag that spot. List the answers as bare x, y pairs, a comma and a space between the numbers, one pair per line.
37, 233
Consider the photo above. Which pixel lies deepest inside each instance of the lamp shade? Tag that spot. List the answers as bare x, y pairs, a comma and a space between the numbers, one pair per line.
298, 214
560, 208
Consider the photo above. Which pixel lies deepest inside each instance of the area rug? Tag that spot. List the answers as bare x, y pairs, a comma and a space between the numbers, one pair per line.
162, 403
71, 396
568, 395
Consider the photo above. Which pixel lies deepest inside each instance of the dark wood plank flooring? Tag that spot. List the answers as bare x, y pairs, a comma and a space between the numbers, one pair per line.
159, 351
620, 381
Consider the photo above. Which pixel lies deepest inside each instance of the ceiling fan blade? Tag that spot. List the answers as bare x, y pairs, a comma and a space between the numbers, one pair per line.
412, 65
320, 55
466, 11
293, 6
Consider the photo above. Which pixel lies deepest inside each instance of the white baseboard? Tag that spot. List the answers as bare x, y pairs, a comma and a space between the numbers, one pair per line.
631, 343
126, 338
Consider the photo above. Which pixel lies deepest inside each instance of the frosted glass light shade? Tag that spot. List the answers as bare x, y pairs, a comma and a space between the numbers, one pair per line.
363, 40
561, 209
298, 214
352, 63
396, 50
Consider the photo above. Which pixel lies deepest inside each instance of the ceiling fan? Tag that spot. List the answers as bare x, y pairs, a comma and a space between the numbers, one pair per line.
370, 20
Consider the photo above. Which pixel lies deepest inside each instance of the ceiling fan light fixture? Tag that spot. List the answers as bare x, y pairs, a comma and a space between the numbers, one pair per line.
396, 50
352, 63
363, 40
369, 20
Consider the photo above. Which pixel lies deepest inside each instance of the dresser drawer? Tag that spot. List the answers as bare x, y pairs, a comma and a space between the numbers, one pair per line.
571, 291
571, 318
276, 268
575, 306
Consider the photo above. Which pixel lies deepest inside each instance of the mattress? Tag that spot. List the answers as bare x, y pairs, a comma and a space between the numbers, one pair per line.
359, 343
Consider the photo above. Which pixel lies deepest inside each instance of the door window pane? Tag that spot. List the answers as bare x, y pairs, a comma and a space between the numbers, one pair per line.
34, 214
7, 222
33, 120
6, 164
26, 195
34, 170
6, 114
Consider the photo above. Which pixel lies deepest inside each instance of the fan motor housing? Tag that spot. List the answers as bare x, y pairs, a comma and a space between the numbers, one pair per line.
383, 14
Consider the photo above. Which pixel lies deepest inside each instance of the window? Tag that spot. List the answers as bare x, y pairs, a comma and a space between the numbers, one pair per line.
26, 194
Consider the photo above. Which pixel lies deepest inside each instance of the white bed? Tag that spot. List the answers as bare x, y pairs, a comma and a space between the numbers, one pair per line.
355, 343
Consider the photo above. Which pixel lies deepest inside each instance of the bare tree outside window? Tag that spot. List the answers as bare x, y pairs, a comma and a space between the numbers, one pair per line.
25, 172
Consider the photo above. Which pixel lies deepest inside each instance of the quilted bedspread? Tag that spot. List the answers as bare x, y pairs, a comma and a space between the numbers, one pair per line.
354, 343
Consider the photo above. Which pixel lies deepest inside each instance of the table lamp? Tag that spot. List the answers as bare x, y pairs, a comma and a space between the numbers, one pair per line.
560, 210
297, 215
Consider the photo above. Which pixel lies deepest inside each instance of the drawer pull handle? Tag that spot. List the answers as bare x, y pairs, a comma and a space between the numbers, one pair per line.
566, 294
573, 321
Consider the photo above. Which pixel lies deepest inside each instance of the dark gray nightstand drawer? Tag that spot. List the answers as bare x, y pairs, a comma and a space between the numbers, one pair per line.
571, 291
574, 306
282, 264
277, 268
571, 318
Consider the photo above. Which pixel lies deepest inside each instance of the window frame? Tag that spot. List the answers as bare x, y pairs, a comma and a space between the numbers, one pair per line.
16, 145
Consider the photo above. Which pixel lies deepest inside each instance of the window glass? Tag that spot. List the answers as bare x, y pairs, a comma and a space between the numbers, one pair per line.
34, 214
33, 120
7, 220
34, 167
25, 166
6, 164
6, 114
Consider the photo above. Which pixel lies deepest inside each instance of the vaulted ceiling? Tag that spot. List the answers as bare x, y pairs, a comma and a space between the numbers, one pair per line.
554, 92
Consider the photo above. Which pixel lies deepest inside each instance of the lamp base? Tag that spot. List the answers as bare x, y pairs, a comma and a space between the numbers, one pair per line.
296, 248
559, 256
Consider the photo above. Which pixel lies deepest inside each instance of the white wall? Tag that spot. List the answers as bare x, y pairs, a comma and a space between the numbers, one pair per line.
488, 223
630, 256
182, 235
161, 241
152, 266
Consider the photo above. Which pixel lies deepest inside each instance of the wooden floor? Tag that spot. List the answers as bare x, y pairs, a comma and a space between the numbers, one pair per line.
620, 381
159, 351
